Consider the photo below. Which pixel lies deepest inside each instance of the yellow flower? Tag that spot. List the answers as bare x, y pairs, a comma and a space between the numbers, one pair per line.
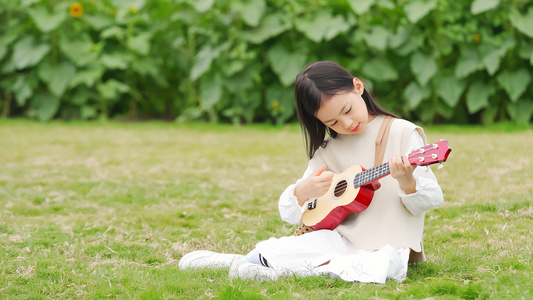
275, 105
76, 10
477, 37
133, 10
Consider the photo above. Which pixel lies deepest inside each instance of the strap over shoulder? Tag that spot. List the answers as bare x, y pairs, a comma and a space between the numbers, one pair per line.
381, 141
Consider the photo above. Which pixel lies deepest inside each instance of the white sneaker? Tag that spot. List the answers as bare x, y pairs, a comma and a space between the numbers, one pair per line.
207, 259
241, 268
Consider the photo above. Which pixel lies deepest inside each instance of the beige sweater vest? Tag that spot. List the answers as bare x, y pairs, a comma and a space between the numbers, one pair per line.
386, 220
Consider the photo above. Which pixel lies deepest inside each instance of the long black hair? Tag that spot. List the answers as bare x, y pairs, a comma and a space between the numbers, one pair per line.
317, 83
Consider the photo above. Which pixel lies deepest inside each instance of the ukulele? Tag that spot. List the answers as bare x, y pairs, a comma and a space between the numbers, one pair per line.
352, 190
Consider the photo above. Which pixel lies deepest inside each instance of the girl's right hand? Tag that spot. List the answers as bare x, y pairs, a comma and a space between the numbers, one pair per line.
314, 186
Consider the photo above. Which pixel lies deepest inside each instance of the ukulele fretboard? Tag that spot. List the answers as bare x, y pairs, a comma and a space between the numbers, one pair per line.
371, 174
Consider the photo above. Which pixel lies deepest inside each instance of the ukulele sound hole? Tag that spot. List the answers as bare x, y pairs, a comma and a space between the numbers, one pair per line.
340, 188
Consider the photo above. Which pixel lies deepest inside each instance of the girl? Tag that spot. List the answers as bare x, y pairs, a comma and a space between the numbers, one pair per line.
340, 122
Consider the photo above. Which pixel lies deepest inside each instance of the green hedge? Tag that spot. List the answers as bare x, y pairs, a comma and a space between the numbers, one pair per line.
236, 61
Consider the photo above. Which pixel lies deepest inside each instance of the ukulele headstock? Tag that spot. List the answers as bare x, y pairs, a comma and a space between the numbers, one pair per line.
430, 154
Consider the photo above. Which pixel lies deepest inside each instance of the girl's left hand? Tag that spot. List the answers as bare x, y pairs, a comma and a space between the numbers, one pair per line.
403, 172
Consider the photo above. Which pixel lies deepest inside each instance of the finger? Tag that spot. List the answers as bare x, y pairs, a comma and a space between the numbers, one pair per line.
406, 161
391, 166
394, 161
319, 171
328, 175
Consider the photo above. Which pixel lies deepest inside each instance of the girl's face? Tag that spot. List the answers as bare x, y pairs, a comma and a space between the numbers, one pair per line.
346, 113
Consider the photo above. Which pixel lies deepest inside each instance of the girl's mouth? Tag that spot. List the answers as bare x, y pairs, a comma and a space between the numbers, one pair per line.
356, 128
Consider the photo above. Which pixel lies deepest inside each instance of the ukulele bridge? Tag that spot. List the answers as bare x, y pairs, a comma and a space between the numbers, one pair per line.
311, 205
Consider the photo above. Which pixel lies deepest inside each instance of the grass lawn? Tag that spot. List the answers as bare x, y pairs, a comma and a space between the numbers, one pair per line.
106, 210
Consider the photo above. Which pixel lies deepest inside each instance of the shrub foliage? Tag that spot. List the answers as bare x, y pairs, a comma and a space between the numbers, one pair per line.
236, 60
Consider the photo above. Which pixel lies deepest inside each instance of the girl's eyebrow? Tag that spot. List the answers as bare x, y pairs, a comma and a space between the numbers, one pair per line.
342, 109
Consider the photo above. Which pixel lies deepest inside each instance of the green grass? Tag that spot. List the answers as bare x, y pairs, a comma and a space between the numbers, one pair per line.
106, 210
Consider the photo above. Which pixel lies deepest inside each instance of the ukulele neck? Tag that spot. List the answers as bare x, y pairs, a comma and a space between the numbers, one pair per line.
371, 174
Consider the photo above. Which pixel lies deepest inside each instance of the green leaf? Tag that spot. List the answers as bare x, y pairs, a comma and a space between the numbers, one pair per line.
27, 3
87, 112
443, 110
525, 50
202, 61
201, 6
322, 26
377, 37
417, 9
128, 3
478, 95
270, 26
251, 11
239, 82
8, 67
524, 23
80, 51
361, 6
449, 89
468, 63
3, 51
98, 22
27, 54
491, 60
401, 36
414, 94
423, 67
336, 26
113, 32
380, 69
146, 66
285, 64
44, 106
112, 89
87, 77
57, 77
140, 43
279, 101
45, 20
210, 91
491, 56
514, 83
480, 6
22, 90
521, 111
6, 40
80, 97
115, 60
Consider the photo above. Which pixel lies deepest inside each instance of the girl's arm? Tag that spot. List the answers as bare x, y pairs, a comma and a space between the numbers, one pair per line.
428, 193
289, 208
313, 184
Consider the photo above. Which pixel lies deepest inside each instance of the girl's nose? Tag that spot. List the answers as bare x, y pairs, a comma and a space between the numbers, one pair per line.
347, 122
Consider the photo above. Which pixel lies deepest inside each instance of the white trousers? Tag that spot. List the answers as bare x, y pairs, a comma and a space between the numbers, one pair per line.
305, 255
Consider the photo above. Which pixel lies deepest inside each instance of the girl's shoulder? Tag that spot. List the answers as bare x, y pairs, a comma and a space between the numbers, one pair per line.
404, 123
405, 129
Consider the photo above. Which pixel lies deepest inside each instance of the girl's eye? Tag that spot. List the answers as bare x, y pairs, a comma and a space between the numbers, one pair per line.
335, 123
348, 111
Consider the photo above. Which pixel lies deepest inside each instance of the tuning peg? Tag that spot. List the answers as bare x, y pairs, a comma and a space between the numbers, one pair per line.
440, 166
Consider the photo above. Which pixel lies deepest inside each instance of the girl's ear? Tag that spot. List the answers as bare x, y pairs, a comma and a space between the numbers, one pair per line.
358, 86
